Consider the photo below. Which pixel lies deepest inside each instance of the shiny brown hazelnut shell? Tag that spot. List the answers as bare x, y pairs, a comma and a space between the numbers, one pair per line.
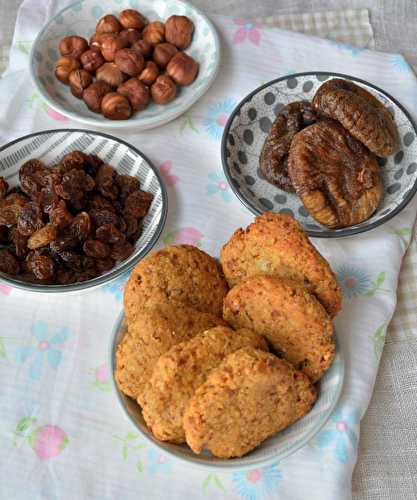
92, 59
64, 66
154, 32
96, 40
130, 18
182, 69
129, 61
73, 46
149, 74
136, 92
79, 79
115, 106
143, 48
110, 44
108, 24
163, 53
94, 94
163, 90
110, 74
179, 31
130, 36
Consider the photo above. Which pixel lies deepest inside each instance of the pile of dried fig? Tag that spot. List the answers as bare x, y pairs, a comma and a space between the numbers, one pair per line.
127, 63
70, 222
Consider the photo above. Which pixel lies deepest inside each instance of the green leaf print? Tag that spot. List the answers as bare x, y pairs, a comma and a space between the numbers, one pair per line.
24, 424
212, 479
131, 435
125, 451
2, 349
187, 123
23, 46
139, 466
376, 286
405, 231
378, 339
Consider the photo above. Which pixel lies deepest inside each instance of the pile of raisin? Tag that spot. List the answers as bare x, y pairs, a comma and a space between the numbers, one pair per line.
70, 222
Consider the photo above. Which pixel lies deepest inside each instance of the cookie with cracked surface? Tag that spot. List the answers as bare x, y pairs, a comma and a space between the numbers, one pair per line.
275, 244
181, 370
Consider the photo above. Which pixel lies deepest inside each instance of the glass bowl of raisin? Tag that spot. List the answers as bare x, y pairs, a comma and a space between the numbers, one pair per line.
77, 209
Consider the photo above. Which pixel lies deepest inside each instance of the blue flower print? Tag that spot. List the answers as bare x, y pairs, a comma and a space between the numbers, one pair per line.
347, 47
117, 286
45, 349
157, 462
219, 185
255, 484
217, 116
352, 281
399, 63
339, 435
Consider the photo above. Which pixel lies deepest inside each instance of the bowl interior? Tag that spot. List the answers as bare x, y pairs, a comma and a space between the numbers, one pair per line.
273, 449
51, 146
249, 126
81, 19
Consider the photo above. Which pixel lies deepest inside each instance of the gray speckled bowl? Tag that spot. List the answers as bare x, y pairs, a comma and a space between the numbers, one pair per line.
248, 127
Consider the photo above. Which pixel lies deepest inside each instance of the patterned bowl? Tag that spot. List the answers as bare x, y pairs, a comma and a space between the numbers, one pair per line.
272, 450
51, 145
81, 18
249, 124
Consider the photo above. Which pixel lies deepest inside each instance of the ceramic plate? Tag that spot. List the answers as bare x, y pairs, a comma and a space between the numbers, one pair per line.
248, 127
272, 450
50, 146
81, 18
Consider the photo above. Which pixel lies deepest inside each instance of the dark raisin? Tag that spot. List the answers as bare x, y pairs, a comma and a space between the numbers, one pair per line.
85, 275
30, 219
137, 234
88, 263
60, 216
127, 184
10, 208
138, 203
106, 182
64, 242
32, 177
75, 159
4, 186
96, 249
19, 241
4, 234
132, 225
72, 260
74, 184
104, 265
42, 267
42, 237
8, 262
48, 199
65, 276
80, 227
108, 233
92, 164
100, 217
121, 251
98, 202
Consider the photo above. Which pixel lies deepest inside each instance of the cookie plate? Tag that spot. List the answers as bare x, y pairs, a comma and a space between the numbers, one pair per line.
272, 450
248, 127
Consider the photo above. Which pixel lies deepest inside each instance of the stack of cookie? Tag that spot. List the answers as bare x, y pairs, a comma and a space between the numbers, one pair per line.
196, 354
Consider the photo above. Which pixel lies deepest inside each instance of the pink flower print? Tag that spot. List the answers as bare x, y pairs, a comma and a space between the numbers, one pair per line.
184, 236
247, 30
55, 115
6, 290
169, 179
102, 381
48, 441
219, 185
255, 484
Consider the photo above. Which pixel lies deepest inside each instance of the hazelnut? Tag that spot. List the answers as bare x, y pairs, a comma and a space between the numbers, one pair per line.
129, 61
110, 44
142, 47
163, 53
94, 93
154, 33
130, 18
73, 46
182, 69
110, 74
149, 74
79, 79
96, 40
136, 92
108, 24
116, 106
64, 66
179, 31
130, 36
163, 90
92, 59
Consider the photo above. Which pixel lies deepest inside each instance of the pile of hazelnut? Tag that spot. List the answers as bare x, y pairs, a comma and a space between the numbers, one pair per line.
128, 62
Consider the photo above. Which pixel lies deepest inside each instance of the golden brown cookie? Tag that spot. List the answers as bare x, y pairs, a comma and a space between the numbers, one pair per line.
153, 332
360, 113
275, 244
293, 321
249, 397
181, 274
181, 370
336, 177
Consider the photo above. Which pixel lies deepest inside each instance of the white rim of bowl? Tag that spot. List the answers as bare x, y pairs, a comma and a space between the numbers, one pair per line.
228, 464
124, 124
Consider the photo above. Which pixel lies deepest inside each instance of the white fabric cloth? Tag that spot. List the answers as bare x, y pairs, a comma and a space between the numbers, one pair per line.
63, 433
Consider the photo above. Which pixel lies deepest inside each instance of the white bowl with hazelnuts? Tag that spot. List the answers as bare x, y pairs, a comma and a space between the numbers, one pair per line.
110, 67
